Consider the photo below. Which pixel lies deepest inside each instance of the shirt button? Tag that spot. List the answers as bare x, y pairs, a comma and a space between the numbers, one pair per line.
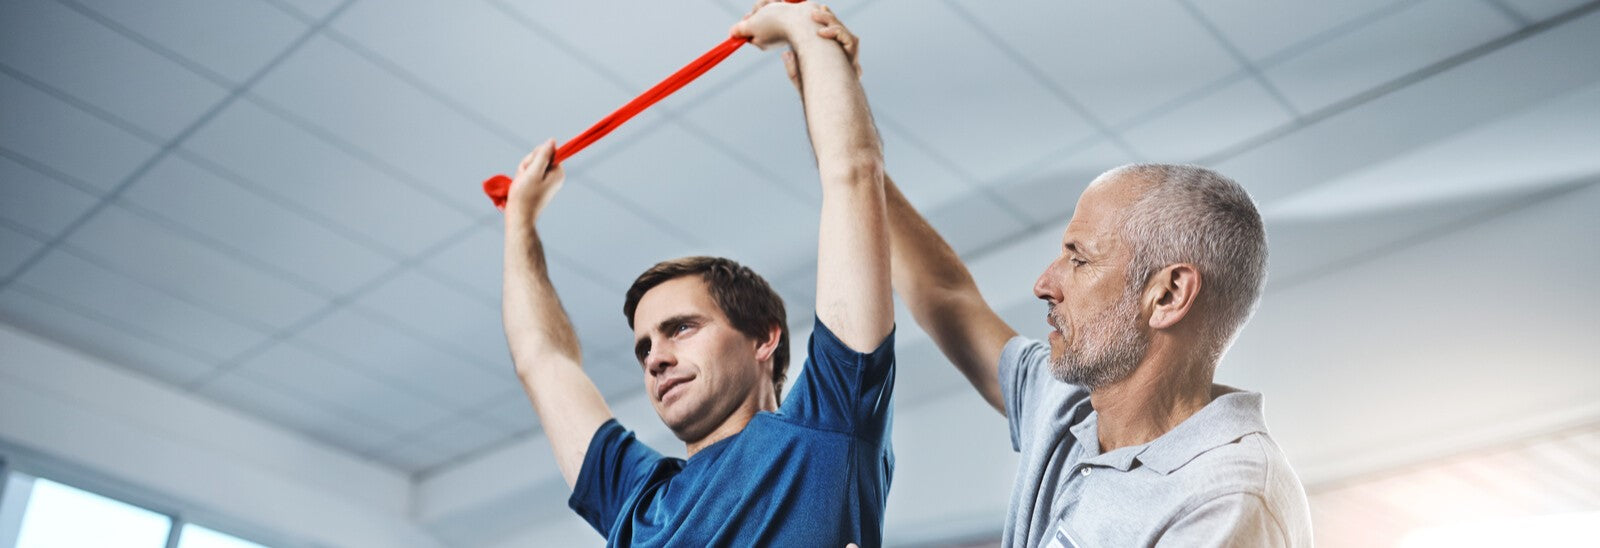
1084, 471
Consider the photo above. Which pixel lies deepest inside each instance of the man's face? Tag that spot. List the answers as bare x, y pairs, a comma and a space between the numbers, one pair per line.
1096, 337
698, 369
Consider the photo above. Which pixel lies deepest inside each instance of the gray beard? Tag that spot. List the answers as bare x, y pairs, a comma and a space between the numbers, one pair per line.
1105, 349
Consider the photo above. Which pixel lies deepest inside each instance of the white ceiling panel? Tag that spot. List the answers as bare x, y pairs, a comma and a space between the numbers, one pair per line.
1384, 50
771, 234
460, 323
103, 68
414, 458
452, 438
336, 386
1049, 191
232, 38
616, 373
974, 223
16, 246
474, 263
1539, 10
38, 201
615, 242
594, 307
592, 29
312, 255
927, 179
94, 335
77, 281
63, 138
388, 353
146, 251
312, 418
1225, 117
310, 10
1264, 29
327, 86
474, 54
959, 117
1118, 59
300, 171
760, 115
511, 413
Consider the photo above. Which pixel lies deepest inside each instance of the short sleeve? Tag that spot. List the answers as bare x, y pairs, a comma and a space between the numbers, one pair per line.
1238, 519
843, 390
616, 466
1024, 373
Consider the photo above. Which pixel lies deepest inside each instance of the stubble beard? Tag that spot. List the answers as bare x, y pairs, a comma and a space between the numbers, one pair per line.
1105, 349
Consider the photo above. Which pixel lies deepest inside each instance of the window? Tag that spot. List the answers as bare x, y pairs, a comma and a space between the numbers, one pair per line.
39, 513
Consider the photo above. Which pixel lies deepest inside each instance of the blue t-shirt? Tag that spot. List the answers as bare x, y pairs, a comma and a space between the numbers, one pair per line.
815, 473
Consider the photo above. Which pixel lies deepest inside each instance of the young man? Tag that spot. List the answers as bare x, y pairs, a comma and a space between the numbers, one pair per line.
711, 339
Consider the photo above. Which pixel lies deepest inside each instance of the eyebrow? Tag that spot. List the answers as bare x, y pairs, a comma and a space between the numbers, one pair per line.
641, 348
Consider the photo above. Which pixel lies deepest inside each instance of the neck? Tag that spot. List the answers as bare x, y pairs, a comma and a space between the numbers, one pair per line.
734, 424
1163, 391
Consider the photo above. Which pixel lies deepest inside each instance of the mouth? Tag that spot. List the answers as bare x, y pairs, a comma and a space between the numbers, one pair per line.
666, 387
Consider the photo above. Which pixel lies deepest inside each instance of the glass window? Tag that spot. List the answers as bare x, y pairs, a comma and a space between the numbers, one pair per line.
58, 515
195, 536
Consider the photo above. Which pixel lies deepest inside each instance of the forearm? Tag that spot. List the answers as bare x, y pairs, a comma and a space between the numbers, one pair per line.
854, 294
943, 297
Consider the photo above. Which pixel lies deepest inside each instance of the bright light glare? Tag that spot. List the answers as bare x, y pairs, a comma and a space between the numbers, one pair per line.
1555, 531
195, 536
58, 515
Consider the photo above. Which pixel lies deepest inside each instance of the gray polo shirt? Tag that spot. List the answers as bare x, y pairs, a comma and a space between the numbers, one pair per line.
1217, 479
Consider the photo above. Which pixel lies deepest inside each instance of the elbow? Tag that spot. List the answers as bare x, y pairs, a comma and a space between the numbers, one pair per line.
861, 170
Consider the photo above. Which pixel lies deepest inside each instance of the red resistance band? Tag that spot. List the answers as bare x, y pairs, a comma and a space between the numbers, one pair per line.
499, 186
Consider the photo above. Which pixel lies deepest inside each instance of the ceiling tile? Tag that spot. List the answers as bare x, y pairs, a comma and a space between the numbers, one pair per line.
1539, 10
1049, 190
927, 180
278, 160
113, 342
974, 223
103, 68
1263, 29
475, 261
309, 9
16, 247
385, 352
66, 139
594, 27
512, 413
731, 210
1119, 59
594, 307
160, 258
328, 86
414, 458
514, 76
961, 117
310, 375
617, 377
233, 38
38, 201
455, 437
1228, 116
316, 255
1384, 50
309, 417
616, 242
120, 299
761, 115
457, 321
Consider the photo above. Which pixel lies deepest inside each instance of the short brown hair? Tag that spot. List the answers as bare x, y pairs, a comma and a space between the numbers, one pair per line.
744, 297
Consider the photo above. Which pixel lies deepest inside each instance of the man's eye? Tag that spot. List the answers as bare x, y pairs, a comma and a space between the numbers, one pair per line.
680, 329
1078, 262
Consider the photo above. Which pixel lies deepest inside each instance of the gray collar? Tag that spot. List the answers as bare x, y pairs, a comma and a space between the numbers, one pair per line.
1233, 415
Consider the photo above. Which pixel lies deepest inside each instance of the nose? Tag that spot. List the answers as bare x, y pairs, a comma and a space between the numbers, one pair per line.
658, 360
1045, 287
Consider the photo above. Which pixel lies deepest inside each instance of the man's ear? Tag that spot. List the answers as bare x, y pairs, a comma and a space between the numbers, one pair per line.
1171, 294
768, 346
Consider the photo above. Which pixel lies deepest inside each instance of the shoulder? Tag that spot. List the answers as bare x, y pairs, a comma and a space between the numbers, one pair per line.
1252, 474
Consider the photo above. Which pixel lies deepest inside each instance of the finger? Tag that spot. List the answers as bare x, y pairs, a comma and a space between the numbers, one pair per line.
542, 156
522, 167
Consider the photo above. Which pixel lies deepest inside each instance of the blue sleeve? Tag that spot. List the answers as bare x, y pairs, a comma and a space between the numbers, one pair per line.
614, 468
843, 390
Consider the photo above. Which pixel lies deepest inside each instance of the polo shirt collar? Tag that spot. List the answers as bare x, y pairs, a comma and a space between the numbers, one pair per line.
1233, 415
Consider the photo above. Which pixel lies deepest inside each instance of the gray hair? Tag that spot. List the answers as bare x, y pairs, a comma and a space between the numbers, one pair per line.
1190, 214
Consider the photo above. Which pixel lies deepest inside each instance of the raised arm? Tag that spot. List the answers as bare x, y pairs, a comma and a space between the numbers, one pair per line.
853, 287
927, 273
543, 345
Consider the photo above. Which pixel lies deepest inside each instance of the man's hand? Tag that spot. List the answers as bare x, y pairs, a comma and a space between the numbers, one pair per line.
536, 182
831, 29
774, 23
